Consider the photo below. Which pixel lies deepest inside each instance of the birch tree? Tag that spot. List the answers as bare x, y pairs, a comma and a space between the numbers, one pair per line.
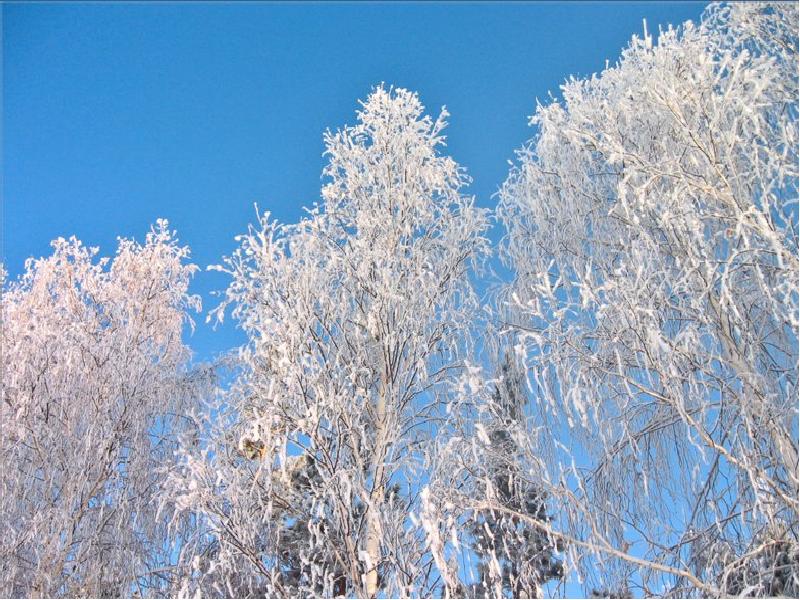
94, 381
358, 320
652, 229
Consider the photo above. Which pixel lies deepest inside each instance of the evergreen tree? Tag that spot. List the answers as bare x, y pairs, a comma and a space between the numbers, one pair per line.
514, 556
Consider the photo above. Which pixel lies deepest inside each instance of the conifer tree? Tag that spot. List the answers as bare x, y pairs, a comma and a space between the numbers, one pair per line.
525, 556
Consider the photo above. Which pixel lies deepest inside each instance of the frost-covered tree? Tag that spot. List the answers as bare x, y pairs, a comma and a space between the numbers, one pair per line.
485, 511
652, 225
94, 382
525, 555
358, 320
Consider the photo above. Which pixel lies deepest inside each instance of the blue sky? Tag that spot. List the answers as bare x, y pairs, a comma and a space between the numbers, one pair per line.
117, 114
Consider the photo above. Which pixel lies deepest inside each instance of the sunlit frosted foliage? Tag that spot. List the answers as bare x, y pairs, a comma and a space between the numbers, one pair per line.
652, 228
358, 321
93, 385
623, 418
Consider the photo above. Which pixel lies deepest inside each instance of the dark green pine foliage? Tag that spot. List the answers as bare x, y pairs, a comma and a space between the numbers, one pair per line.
770, 572
309, 536
307, 566
524, 554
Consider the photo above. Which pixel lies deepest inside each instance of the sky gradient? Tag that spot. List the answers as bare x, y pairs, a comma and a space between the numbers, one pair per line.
117, 114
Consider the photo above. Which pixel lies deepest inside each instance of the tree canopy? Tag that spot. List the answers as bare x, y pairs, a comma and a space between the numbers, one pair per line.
617, 416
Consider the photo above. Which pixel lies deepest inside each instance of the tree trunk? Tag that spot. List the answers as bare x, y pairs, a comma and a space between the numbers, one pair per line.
377, 496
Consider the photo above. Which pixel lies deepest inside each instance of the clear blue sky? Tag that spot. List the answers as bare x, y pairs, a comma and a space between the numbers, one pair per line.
117, 114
